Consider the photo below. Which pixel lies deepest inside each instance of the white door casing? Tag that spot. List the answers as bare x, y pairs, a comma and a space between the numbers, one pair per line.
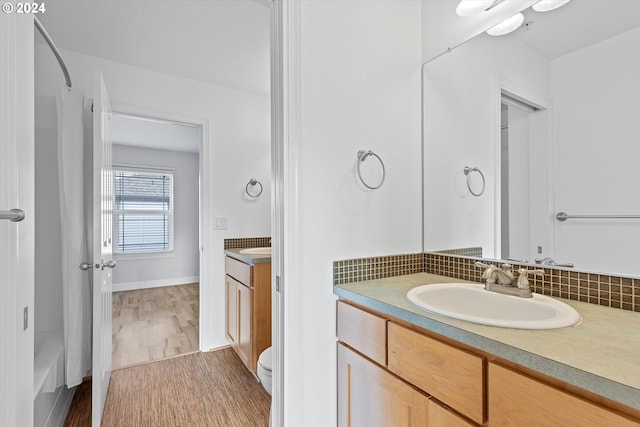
102, 250
286, 257
17, 239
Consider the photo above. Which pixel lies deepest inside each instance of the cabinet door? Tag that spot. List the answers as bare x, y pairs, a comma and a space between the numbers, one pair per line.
245, 313
231, 320
518, 400
370, 396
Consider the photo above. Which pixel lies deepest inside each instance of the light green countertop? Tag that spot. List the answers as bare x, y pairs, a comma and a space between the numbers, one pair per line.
247, 258
601, 355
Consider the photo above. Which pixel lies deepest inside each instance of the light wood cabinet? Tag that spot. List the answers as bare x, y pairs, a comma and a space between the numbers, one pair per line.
370, 393
370, 396
453, 376
364, 331
463, 387
519, 400
248, 309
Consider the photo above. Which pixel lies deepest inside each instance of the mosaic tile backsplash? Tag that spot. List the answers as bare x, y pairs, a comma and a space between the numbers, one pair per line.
247, 242
356, 270
601, 289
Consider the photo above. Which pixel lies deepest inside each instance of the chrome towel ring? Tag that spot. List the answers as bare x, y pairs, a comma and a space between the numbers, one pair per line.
362, 156
253, 183
467, 171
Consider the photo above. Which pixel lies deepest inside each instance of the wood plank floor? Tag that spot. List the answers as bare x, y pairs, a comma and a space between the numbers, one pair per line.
211, 389
153, 324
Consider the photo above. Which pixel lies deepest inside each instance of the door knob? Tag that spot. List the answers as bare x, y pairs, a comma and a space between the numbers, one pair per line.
86, 266
108, 264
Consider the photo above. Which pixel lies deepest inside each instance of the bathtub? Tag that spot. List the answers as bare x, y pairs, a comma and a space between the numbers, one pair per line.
51, 398
48, 361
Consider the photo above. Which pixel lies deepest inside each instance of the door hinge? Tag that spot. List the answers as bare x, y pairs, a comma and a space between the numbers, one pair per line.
277, 283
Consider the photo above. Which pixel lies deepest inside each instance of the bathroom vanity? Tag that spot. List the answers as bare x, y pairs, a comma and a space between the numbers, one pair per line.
398, 362
248, 304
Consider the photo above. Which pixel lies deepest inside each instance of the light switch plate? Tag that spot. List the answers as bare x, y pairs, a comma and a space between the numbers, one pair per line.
220, 223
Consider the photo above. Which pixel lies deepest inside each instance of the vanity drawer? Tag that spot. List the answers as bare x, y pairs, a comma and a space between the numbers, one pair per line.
517, 400
363, 331
453, 376
238, 270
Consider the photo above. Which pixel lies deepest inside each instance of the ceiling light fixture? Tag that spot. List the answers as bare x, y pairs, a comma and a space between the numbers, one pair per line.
547, 5
472, 7
507, 26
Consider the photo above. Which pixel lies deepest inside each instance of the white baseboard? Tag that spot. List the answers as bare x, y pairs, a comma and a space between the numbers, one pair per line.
130, 286
222, 347
60, 409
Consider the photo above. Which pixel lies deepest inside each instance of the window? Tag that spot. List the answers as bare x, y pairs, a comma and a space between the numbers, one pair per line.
143, 211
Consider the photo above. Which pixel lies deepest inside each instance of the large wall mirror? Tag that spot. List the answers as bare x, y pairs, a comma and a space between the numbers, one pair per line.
545, 120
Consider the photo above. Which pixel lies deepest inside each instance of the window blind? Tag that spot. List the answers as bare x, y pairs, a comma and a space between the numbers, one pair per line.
143, 211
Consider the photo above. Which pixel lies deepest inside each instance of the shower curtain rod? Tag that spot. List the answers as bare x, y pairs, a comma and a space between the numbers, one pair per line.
55, 50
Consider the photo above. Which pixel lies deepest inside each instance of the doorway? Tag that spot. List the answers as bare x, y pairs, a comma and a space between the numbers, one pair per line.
156, 236
223, 85
520, 178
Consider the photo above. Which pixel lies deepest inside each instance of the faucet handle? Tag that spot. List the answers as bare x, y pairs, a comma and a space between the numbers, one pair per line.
489, 270
523, 281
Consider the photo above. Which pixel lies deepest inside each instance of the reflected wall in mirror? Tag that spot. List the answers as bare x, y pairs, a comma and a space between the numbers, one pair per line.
564, 139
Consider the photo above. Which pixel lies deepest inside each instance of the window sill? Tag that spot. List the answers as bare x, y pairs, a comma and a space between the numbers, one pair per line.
145, 255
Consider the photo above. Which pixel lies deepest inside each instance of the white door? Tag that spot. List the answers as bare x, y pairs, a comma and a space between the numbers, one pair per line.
102, 249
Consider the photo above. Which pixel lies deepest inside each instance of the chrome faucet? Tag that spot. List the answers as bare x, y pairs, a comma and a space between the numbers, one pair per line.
504, 281
494, 274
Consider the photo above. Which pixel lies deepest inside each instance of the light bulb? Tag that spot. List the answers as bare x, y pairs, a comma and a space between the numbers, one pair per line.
547, 5
472, 7
507, 26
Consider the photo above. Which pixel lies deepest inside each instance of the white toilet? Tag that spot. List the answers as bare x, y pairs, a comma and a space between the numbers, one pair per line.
264, 372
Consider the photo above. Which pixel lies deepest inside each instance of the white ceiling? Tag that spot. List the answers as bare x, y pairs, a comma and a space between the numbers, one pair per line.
153, 133
573, 26
578, 24
220, 42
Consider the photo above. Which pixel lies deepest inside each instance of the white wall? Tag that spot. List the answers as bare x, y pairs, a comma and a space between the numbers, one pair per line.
596, 113
360, 89
237, 148
181, 266
461, 110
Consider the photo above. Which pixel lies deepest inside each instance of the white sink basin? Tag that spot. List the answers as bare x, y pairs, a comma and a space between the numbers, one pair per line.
473, 303
256, 251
